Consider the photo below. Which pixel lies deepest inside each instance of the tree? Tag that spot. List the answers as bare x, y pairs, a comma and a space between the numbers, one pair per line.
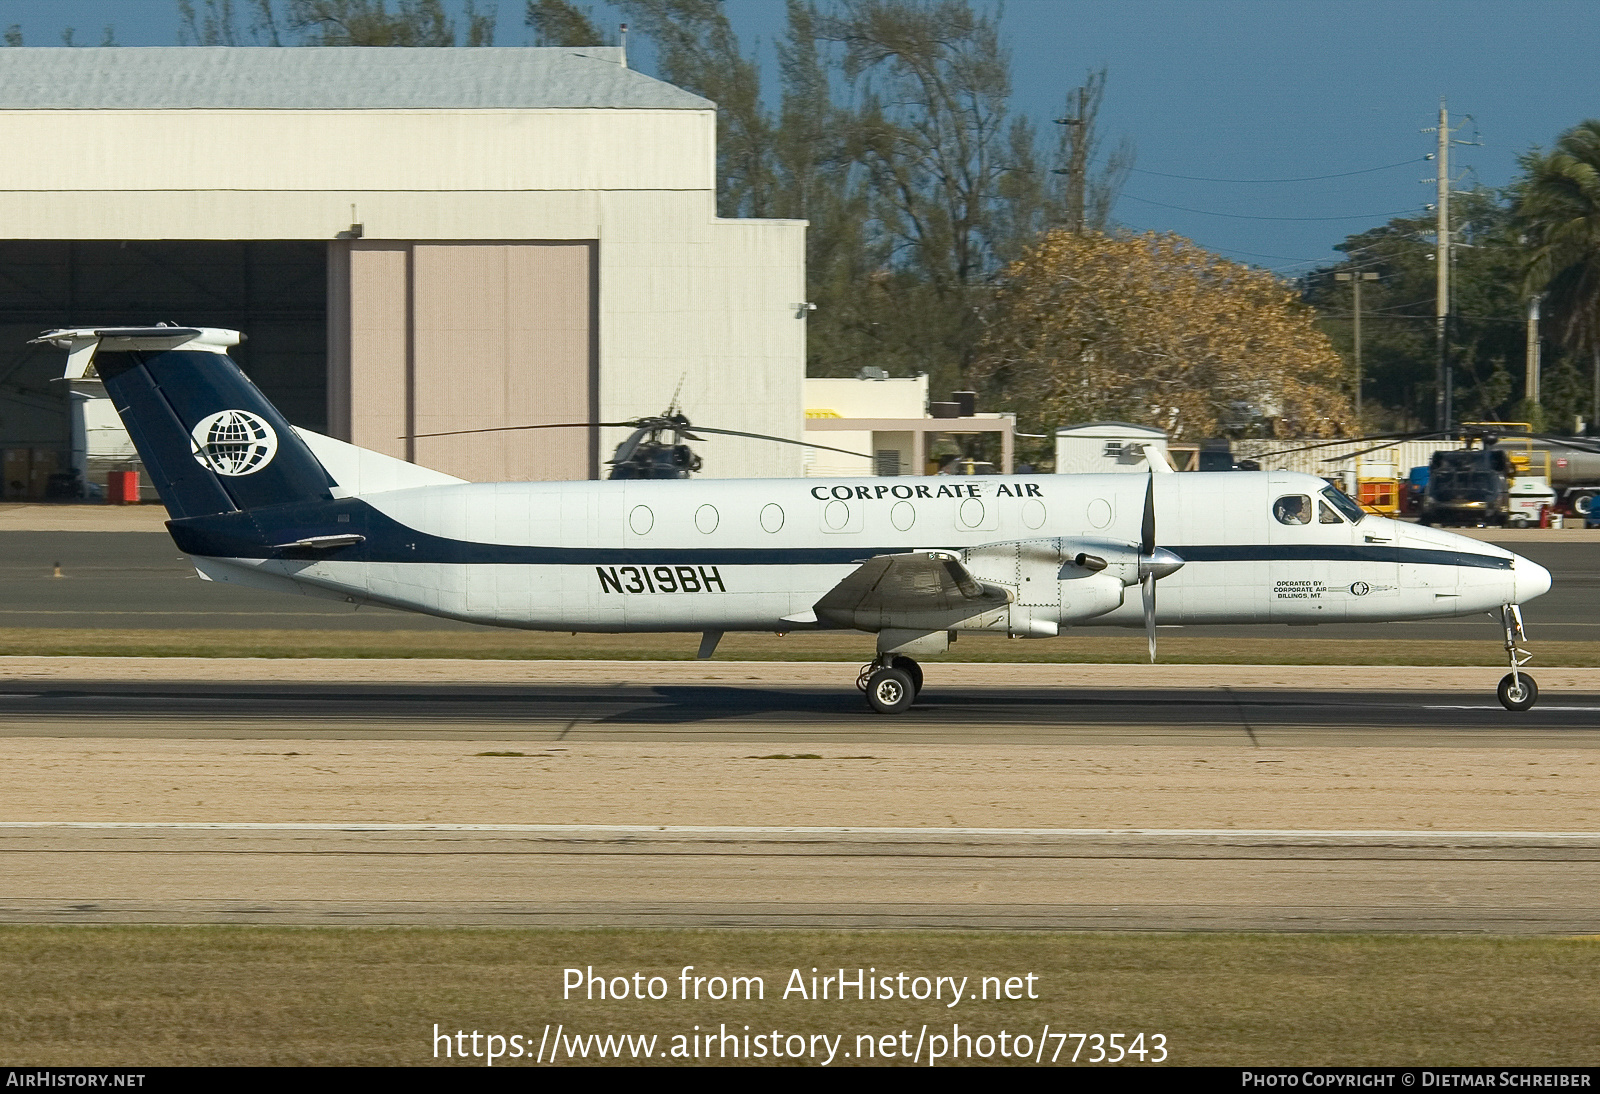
333, 23
697, 50
1558, 203
1154, 330
932, 133
561, 23
817, 180
1487, 347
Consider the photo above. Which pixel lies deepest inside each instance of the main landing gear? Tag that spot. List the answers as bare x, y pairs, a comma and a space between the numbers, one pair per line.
890, 682
1517, 690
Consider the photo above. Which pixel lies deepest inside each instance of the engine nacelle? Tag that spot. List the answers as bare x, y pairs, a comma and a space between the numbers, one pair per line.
1089, 596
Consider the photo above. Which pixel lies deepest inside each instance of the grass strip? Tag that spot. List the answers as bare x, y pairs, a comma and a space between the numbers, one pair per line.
1103, 648
130, 996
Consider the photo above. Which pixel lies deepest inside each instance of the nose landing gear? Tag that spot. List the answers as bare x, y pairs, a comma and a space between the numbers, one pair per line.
891, 683
1517, 691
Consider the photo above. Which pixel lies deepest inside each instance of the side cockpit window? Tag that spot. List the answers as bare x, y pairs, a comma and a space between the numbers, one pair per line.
1345, 504
1292, 509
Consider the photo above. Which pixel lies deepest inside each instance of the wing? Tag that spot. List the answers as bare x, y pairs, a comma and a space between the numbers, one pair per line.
926, 591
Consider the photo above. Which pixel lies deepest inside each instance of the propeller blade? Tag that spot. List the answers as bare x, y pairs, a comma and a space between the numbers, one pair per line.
1148, 589
1147, 530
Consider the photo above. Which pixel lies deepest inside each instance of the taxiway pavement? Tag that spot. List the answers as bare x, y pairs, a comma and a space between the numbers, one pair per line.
626, 793
1510, 883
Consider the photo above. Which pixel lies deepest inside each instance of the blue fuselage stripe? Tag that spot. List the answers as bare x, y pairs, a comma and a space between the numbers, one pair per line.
250, 535
1333, 552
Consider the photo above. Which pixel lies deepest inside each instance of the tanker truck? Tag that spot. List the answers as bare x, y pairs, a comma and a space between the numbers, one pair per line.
1574, 472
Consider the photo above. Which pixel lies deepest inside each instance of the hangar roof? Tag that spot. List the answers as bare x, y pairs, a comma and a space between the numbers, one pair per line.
329, 78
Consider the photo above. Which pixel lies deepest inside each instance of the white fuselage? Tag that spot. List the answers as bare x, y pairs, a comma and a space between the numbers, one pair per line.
756, 555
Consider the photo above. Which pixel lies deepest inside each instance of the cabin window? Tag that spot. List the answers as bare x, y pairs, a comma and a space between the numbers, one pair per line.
1345, 504
1292, 509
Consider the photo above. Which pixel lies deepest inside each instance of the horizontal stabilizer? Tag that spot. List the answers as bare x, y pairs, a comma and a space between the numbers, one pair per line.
359, 471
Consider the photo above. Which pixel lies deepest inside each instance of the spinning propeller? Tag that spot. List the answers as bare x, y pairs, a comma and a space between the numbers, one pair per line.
1154, 563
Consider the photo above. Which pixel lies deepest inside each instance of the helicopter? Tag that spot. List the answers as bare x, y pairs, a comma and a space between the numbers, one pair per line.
655, 449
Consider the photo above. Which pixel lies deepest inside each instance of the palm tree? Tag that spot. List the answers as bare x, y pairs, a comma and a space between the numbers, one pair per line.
1558, 204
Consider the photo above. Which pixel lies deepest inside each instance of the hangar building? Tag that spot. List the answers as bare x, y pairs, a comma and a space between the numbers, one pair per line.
414, 241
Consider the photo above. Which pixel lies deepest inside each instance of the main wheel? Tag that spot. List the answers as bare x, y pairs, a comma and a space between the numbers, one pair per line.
1517, 692
911, 669
889, 691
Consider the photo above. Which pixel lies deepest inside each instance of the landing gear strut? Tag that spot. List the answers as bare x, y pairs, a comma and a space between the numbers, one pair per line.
891, 682
1517, 690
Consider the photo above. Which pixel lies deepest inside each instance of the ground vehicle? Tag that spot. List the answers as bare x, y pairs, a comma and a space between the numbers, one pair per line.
1411, 491
1573, 468
1470, 486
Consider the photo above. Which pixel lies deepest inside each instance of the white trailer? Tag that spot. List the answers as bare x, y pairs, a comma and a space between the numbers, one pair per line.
1109, 446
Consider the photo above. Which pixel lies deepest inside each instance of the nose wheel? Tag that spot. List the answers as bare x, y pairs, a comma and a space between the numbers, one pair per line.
1517, 690
891, 684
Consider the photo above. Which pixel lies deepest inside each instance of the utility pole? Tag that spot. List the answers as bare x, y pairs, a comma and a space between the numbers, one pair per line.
1355, 280
1443, 408
1077, 169
1444, 399
1530, 389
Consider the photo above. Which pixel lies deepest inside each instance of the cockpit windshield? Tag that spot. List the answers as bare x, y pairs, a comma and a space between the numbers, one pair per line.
1345, 504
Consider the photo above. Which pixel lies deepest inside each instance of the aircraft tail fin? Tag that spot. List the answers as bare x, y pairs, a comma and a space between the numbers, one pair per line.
209, 439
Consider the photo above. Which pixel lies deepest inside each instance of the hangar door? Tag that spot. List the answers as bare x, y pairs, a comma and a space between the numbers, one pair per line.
272, 290
441, 336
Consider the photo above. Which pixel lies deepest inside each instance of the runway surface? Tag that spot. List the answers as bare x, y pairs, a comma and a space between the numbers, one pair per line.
506, 875
139, 580
752, 712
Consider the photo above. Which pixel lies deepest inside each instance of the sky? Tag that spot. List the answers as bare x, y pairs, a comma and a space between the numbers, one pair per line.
1232, 90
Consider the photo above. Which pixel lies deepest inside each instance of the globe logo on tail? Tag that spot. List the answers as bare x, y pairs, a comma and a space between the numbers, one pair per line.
234, 442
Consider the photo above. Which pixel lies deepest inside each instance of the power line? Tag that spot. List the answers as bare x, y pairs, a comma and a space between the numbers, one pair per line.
1308, 178
1242, 216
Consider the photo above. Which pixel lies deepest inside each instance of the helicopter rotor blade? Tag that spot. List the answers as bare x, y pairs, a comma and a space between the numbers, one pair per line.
1412, 436
1386, 444
781, 440
511, 428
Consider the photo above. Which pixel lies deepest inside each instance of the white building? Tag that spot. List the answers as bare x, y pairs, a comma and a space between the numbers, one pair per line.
886, 419
1106, 447
414, 241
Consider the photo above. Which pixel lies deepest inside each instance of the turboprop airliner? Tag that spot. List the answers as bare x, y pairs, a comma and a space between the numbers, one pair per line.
915, 562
